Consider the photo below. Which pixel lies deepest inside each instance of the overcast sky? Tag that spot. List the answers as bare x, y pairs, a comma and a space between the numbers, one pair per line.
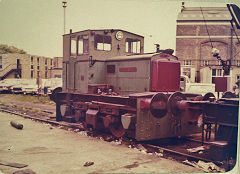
36, 26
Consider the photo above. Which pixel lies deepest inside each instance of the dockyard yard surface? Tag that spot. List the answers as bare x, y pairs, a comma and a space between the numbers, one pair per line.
43, 146
47, 149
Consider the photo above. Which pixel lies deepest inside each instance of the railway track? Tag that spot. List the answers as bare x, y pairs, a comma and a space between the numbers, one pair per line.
180, 149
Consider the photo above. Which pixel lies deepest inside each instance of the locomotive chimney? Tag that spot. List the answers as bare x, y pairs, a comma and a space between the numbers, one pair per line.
157, 48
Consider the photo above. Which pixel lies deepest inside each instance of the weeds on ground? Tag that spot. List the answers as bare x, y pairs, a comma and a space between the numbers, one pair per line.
27, 98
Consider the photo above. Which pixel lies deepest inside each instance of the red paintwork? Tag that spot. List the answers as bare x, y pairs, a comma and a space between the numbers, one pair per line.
163, 55
128, 69
145, 103
165, 76
221, 84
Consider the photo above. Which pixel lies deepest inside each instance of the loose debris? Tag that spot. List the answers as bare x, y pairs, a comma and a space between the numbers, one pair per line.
26, 171
135, 164
88, 164
16, 165
145, 150
117, 142
84, 133
16, 125
159, 154
141, 148
198, 149
109, 138
206, 167
76, 130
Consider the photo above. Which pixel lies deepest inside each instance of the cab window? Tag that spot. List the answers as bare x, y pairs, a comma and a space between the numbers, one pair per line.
102, 42
132, 45
73, 45
83, 44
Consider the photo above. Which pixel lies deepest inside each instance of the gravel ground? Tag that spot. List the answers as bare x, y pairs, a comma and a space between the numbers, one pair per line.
51, 150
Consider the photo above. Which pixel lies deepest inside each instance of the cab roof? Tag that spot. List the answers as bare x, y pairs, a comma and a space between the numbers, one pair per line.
108, 30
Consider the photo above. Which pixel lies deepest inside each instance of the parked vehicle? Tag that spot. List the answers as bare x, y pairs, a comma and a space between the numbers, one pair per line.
197, 88
48, 85
6, 85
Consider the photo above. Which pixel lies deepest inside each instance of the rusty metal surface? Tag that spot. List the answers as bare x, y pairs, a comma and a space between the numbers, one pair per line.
173, 102
91, 118
158, 105
117, 129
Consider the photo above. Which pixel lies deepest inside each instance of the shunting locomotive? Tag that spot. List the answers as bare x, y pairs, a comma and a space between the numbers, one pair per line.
110, 84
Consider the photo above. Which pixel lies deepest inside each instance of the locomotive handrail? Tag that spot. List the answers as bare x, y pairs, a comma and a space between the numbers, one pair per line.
119, 106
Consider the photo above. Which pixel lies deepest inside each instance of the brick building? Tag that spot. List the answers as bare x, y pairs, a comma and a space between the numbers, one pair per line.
200, 29
56, 69
29, 66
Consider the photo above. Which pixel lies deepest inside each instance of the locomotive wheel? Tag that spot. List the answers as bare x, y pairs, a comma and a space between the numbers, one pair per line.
172, 102
117, 129
53, 96
207, 96
228, 94
158, 105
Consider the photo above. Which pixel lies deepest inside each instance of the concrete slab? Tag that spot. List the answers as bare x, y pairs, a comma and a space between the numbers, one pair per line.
48, 150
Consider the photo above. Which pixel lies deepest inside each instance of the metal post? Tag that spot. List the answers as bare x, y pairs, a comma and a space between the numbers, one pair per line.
231, 45
64, 3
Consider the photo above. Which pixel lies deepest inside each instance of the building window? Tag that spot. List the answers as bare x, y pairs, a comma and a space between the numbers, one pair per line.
216, 73
45, 68
31, 59
205, 62
38, 73
57, 76
238, 62
187, 62
45, 75
31, 73
18, 64
82, 44
237, 77
186, 72
102, 42
45, 61
73, 46
38, 60
51, 62
1, 62
31, 66
38, 67
132, 46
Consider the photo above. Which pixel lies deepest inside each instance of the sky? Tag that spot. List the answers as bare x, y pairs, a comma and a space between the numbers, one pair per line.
36, 26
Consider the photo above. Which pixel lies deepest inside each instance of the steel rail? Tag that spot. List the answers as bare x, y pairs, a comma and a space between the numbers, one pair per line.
56, 123
181, 154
